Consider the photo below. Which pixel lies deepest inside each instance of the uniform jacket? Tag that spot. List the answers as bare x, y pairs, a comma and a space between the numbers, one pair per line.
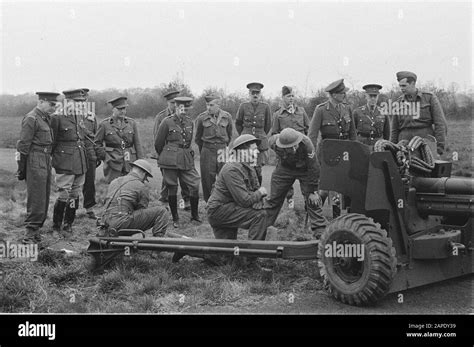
431, 114
298, 120
159, 118
90, 129
371, 124
254, 120
173, 143
114, 142
125, 195
213, 129
237, 182
36, 132
69, 154
327, 122
304, 160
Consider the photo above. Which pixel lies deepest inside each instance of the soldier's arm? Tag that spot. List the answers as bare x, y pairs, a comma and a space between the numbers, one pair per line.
386, 128
313, 166
305, 121
268, 119
439, 121
275, 124
272, 141
230, 129
144, 198
315, 126
28, 125
237, 187
199, 131
352, 132
239, 120
99, 142
54, 124
156, 126
137, 142
161, 137
394, 131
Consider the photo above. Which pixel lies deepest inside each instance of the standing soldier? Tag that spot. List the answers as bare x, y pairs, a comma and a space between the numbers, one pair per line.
213, 133
176, 159
255, 118
122, 141
34, 162
332, 120
371, 125
69, 158
88, 190
296, 161
290, 116
170, 96
430, 121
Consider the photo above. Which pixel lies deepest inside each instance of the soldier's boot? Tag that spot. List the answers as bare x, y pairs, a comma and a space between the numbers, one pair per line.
70, 215
58, 214
194, 209
173, 203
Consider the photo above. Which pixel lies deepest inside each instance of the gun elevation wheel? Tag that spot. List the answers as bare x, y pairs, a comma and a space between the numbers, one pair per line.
356, 260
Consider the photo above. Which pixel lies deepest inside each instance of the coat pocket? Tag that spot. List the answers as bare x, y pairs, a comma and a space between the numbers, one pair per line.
168, 156
63, 159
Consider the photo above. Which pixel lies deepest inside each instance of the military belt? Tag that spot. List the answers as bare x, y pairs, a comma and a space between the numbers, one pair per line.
117, 145
39, 148
372, 135
213, 145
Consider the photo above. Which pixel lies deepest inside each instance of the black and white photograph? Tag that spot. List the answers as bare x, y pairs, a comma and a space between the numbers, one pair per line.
196, 161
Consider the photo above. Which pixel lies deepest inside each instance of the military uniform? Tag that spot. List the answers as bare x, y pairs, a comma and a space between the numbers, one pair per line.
34, 147
234, 203
126, 207
371, 125
431, 121
176, 159
301, 165
255, 119
90, 128
69, 161
118, 145
213, 133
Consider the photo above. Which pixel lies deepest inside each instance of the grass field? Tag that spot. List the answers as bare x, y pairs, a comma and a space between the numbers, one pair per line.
147, 282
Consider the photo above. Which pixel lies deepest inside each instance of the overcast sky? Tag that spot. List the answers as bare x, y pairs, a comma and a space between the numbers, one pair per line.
62, 45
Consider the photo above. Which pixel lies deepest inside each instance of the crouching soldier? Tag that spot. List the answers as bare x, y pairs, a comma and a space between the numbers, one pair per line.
237, 198
296, 161
126, 204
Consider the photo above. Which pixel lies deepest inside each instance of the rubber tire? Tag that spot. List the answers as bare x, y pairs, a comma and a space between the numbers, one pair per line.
379, 265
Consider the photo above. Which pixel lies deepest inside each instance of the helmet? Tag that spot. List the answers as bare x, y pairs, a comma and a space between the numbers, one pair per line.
144, 165
242, 139
288, 138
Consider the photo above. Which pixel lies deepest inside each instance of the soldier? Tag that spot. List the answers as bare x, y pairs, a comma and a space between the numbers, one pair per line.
213, 134
255, 118
126, 204
297, 161
34, 163
371, 125
176, 158
69, 158
122, 141
237, 198
170, 96
430, 121
332, 120
290, 116
88, 190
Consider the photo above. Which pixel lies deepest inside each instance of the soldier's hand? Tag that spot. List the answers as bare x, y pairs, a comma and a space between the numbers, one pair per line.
440, 150
315, 200
21, 172
263, 191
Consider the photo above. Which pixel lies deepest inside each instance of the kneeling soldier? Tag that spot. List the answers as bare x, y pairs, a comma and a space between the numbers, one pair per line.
296, 161
176, 159
237, 198
126, 205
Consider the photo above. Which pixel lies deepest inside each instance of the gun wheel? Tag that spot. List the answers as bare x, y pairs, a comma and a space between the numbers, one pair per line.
357, 261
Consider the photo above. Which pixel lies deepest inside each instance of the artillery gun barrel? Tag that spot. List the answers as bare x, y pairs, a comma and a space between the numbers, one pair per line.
444, 196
